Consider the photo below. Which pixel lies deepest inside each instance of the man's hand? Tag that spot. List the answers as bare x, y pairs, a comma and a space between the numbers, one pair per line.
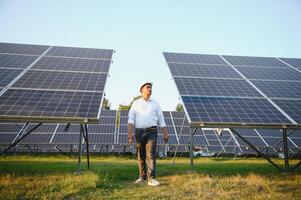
130, 139
130, 133
165, 134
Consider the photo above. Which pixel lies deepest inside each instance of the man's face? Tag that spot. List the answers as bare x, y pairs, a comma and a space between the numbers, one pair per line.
146, 90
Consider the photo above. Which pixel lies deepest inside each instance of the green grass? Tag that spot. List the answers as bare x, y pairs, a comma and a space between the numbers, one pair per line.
53, 177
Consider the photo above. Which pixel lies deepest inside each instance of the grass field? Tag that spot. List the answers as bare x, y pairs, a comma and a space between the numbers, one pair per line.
47, 177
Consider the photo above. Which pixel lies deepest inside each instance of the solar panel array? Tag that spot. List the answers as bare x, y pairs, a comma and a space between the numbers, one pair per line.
51, 83
110, 135
238, 90
51, 136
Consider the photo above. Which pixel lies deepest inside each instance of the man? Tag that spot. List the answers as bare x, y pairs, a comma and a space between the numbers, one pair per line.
144, 116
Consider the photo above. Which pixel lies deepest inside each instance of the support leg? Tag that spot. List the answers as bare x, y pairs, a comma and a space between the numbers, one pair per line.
21, 138
285, 151
80, 150
191, 146
255, 149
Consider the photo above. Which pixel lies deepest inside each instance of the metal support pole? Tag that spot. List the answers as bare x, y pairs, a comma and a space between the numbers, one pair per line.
179, 139
87, 142
80, 150
288, 134
31, 151
285, 151
255, 149
60, 150
191, 146
21, 138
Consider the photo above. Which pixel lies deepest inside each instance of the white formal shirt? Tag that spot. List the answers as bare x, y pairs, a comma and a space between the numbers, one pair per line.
145, 114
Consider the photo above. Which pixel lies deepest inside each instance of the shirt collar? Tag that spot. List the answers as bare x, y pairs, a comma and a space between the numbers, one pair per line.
149, 100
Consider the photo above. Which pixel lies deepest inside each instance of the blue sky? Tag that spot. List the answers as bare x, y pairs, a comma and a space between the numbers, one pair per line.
139, 31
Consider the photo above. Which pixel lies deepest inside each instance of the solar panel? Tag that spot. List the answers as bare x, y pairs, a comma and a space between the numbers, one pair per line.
16, 61
122, 136
65, 138
254, 61
7, 75
7, 138
215, 87
34, 79
246, 132
270, 73
221, 92
291, 107
197, 70
295, 62
40, 104
62, 84
101, 138
12, 48
256, 141
73, 64
193, 58
37, 138
80, 52
232, 110
279, 89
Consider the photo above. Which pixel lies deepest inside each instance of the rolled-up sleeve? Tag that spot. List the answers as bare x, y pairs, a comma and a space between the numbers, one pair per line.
131, 117
160, 117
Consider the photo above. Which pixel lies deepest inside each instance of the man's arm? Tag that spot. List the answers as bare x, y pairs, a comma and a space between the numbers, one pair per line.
131, 122
165, 134
130, 133
162, 124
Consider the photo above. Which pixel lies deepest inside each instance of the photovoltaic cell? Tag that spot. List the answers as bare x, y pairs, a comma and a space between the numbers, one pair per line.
270, 73
195, 70
7, 75
22, 48
16, 61
215, 87
254, 61
279, 89
193, 58
235, 110
291, 107
72, 64
61, 80
50, 103
80, 52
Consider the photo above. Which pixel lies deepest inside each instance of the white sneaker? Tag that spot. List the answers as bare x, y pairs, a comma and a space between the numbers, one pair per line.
153, 182
140, 180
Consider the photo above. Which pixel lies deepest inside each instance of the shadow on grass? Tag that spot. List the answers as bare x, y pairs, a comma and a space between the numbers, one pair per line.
124, 172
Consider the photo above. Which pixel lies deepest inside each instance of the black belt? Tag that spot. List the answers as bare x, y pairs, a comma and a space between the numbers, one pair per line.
149, 129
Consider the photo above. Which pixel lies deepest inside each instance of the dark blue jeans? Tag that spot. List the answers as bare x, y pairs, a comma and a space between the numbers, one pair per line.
146, 153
